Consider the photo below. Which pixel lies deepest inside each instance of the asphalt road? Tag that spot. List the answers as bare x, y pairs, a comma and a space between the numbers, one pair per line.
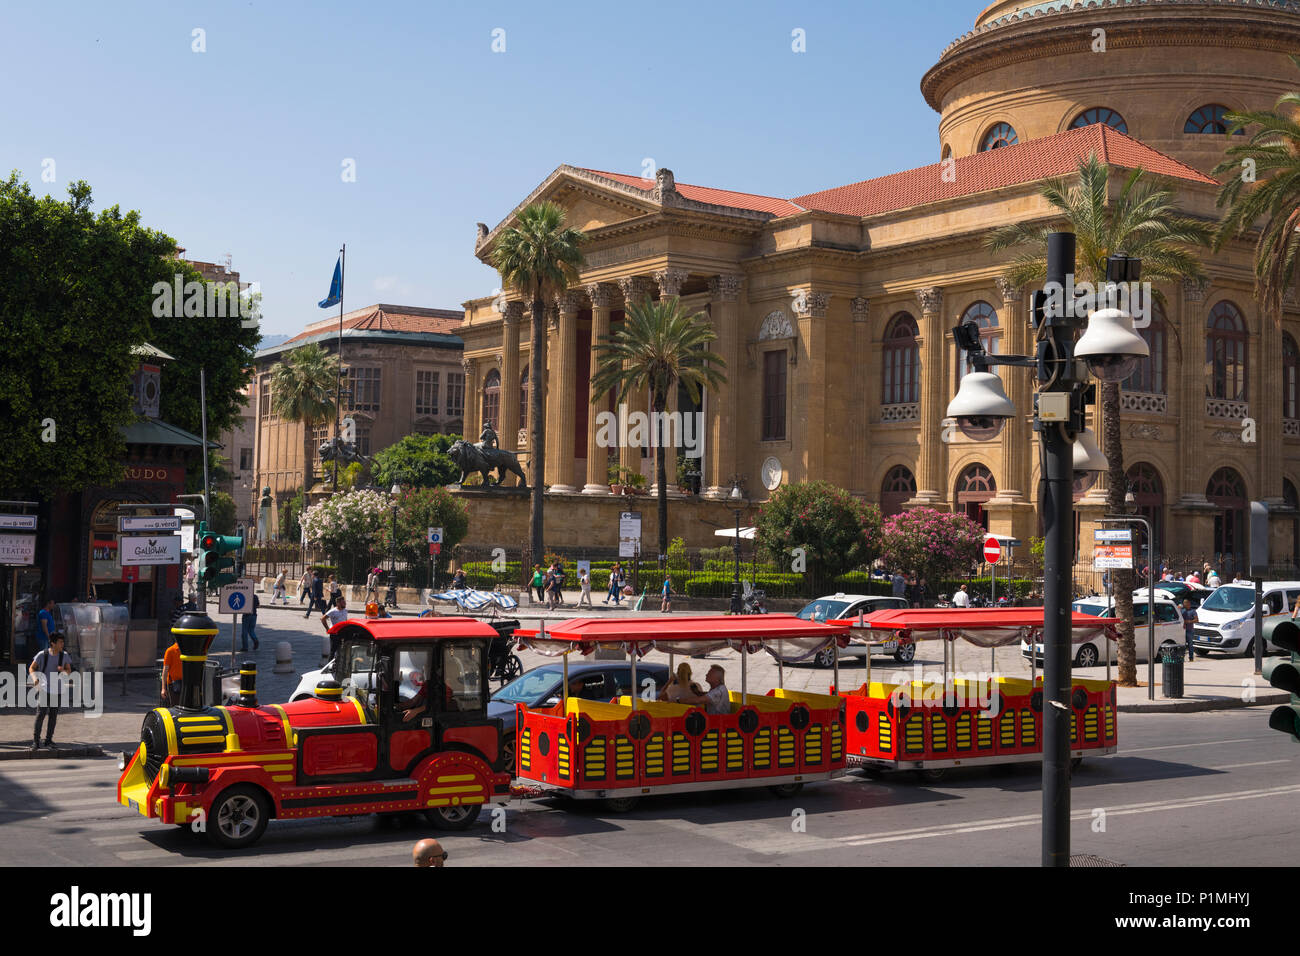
1196, 790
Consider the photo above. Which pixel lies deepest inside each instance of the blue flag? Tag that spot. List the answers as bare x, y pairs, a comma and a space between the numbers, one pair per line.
336, 287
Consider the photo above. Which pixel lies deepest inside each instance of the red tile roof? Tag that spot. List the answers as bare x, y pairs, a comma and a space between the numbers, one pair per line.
717, 197
390, 318
1027, 162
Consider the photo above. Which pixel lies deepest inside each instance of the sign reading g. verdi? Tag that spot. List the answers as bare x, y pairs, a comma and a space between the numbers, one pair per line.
155, 549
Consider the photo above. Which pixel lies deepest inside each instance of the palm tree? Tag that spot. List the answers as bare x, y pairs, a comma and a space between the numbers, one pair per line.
659, 345
539, 256
303, 390
1272, 158
1141, 221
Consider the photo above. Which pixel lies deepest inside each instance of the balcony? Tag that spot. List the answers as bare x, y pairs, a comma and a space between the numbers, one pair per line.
910, 412
1144, 403
1223, 408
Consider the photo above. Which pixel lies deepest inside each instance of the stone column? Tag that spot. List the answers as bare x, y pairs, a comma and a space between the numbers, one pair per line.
1264, 391
510, 375
473, 401
723, 421
602, 299
931, 480
634, 289
1191, 394
563, 381
805, 381
860, 418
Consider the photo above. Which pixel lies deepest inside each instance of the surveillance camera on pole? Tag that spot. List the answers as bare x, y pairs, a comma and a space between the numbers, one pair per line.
981, 406
1110, 347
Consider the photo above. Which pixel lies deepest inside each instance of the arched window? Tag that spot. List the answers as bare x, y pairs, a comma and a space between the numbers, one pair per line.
1150, 373
523, 398
986, 317
974, 487
899, 485
946, 153
492, 399
1227, 492
1225, 354
1290, 369
998, 136
1102, 115
1209, 119
901, 381
1149, 494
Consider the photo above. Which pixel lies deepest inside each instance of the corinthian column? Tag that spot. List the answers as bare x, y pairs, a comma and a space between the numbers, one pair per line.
725, 314
602, 299
563, 359
473, 400
1017, 436
860, 422
510, 318
931, 478
634, 289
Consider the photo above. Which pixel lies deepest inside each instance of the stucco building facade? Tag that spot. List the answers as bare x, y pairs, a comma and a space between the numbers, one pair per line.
833, 308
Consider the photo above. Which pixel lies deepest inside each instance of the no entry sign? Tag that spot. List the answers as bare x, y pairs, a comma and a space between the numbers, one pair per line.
992, 550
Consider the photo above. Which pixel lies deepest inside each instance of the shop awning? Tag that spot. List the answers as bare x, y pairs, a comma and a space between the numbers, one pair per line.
782, 634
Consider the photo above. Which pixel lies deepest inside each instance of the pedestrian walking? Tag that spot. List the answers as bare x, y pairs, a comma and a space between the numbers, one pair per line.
616, 583
248, 627
1189, 621
278, 588
557, 583
304, 587
47, 670
332, 617
539, 581
317, 595
961, 598
372, 585
666, 604
45, 625
584, 588
1212, 580
335, 589
898, 584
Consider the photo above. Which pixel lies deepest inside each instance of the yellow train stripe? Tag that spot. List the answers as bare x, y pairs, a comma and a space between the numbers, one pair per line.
284, 719
199, 760
194, 630
273, 768
190, 720
361, 711
457, 778
169, 725
474, 789
288, 778
187, 741
193, 657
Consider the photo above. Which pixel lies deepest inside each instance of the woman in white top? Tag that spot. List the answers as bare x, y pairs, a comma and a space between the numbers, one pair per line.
277, 589
584, 585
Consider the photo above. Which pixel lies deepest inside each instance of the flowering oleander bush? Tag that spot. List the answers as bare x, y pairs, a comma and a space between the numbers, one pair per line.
931, 544
346, 526
835, 530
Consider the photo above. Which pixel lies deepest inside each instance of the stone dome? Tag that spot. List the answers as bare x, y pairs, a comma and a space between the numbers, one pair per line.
1029, 70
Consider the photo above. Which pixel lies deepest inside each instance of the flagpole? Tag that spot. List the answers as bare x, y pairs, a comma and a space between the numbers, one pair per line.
338, 391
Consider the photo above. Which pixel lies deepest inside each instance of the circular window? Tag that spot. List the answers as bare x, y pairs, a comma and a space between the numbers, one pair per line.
1100, 114
1000, 135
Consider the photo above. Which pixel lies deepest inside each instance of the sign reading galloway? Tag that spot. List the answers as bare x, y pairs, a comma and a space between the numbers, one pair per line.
158, 549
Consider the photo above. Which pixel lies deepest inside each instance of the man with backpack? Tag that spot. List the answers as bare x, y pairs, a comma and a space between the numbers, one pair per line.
47, 670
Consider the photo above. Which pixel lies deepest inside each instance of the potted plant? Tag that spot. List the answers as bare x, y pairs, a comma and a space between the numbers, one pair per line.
615, 475
635, 481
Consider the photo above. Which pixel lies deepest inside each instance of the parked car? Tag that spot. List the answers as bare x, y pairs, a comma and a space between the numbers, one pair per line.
1169, 629
542, 686
1179, 590
840, 606
1226, 619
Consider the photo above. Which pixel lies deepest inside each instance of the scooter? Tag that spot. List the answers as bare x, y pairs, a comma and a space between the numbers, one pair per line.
755, 602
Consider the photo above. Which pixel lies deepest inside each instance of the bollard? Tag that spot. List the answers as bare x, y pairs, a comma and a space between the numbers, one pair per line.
325, 647
283, 658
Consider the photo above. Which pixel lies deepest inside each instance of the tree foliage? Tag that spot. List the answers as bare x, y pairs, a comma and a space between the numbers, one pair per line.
419, 509
835, 530
417, 460
931, 544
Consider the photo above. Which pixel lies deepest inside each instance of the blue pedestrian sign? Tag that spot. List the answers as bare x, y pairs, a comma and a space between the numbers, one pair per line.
237, 598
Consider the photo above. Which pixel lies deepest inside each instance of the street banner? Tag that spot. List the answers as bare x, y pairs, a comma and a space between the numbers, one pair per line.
629, 533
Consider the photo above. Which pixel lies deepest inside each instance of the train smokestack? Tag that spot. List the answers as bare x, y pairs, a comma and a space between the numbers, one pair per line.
248, 684
194, 633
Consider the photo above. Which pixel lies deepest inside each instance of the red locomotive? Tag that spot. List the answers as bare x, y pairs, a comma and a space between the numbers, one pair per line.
403, 727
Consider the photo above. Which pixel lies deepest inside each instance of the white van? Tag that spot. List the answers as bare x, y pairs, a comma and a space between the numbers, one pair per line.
1169, 629
1226, 619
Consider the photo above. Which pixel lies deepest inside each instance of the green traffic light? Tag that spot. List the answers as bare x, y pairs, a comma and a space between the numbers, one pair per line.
213, 563
1286, 635
1284, 675
1286, 719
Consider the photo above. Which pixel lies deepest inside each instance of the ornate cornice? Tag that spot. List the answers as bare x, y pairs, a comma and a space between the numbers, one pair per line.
514, 312
670, 280
811, 304
725, 287
861, 309
601, 294
1194, 289
1010, 293
635, 288
570, 300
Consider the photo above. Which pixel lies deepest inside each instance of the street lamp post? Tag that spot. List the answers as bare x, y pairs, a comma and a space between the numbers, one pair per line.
736, 604
390, 597
981, 408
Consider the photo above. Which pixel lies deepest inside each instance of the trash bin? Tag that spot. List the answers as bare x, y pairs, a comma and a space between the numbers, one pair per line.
1171, 670
212, 683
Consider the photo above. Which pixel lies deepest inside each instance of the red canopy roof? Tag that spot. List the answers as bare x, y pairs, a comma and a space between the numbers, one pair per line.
970, 619
416, 628
757, 627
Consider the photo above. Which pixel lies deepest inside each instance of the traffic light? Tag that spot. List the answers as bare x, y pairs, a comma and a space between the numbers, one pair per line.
1285, 675
215, 569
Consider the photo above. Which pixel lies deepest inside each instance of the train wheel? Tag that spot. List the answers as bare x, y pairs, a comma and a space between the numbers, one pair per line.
621, 804
786, 790
454, 818
239, 817
931, 775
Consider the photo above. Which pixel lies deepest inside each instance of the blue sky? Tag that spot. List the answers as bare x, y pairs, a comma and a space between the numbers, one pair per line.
240, 149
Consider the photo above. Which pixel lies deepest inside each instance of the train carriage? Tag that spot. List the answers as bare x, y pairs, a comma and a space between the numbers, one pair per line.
929, 725
624, 749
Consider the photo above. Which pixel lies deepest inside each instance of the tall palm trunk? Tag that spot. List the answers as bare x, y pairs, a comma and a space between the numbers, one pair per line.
1121, 580
660, 402
537, 431
308, 461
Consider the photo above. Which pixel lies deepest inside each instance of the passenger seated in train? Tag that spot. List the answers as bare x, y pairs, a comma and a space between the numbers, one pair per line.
680, 684
716, 700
